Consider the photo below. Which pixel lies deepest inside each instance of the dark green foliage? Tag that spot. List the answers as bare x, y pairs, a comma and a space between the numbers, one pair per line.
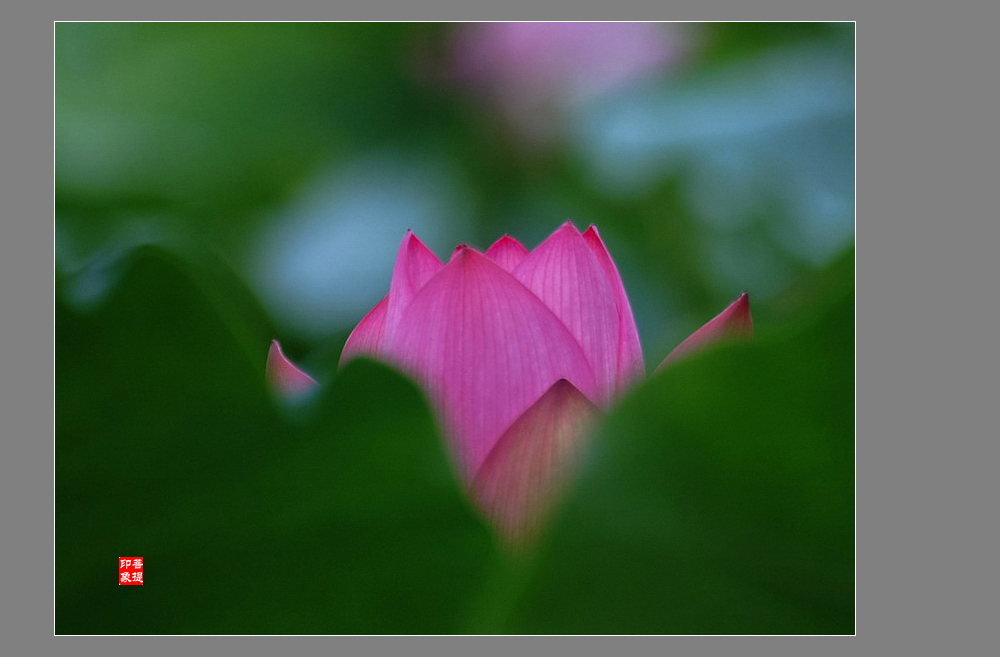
717, 498
346, 519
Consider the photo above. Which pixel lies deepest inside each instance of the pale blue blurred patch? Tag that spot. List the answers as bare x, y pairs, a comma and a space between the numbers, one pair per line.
327, 260
630, 139
764, 148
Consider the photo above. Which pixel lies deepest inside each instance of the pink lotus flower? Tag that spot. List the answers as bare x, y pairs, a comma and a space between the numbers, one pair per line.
534, 74
519, 352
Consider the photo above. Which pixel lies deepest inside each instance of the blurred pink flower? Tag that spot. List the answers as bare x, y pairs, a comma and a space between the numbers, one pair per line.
519, 351
533, 72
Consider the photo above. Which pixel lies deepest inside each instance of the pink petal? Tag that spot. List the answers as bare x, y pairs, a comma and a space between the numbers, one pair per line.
485, 348
507, 252
564, 273
519, 481
286, 379
458, 249
368, 336
734, 322
631, 366
415, 264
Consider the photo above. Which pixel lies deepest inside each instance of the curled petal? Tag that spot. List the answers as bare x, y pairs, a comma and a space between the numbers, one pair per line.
564, 273
415, 264
368, 336
631, 366
521, 478
485, 348
734, 322
286, 379
507, 252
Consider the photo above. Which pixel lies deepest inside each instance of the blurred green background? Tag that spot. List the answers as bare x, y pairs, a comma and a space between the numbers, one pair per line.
219, 185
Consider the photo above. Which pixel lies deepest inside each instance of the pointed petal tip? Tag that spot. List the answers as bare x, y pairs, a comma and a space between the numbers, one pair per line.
412, 241
368, 337
563, 388
460, 250
631, 366
733, 323
275, 351
506, 240
568, 225
414, 248
522, 477
740, 320
415, 265
284, 377
464, 254
507, 252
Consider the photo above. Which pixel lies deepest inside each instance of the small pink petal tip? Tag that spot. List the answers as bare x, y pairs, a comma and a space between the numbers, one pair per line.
415, 265
521, 479
461, 248
631, 366
368, 337
286, 379
507, 252
733, 323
